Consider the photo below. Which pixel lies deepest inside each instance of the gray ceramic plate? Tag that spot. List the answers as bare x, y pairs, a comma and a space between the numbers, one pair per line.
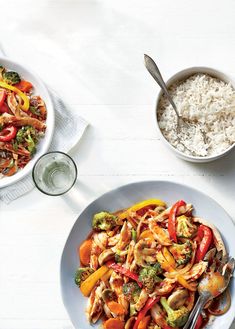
124, 197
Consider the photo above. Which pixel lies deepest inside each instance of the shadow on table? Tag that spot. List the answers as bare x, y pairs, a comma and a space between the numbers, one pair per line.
79, 196
223, 173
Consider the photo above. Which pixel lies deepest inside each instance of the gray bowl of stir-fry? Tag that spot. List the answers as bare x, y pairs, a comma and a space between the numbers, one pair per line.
136, 254
26, 121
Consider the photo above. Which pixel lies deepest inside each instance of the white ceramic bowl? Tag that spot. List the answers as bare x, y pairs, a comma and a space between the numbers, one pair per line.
41, 90
181, 76
124, 197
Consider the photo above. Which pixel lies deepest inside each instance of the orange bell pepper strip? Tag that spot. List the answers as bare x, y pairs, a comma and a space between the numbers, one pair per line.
140, 205
25, 105
90, 282
146, 235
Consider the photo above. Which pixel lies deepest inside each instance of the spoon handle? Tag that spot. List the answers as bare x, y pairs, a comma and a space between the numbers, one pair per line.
151, 66
192, 320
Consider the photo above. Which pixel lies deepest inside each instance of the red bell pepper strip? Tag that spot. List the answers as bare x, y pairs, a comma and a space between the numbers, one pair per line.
199, 322
149, 304
172, 219
4, 108
8, 134
3, 94
120, 269
205, 237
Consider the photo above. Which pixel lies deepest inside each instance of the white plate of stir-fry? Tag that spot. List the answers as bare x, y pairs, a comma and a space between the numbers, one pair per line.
26, 121
135, 256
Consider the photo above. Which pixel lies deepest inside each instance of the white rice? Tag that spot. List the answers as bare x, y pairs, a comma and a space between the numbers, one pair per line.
207, 103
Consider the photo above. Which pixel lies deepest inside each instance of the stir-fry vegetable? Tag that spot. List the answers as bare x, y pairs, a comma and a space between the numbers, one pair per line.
20, 128
137, 276
149, 304
120, 269
205, 239
175, 318
140, 205
90, 282
172, 219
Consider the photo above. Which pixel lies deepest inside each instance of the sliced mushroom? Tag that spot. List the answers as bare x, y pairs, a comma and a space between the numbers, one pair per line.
108, 295
130, 323
178, 299
105, 256
210, 255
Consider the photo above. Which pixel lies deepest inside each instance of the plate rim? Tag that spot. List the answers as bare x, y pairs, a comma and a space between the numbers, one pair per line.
114, 190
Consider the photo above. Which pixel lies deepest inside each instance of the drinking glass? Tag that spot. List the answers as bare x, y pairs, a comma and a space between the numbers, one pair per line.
54, 173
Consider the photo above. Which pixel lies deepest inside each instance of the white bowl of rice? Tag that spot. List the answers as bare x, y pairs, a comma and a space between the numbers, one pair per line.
205, 97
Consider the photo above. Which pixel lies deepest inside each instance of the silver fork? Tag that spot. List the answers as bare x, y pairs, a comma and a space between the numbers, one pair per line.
212, 285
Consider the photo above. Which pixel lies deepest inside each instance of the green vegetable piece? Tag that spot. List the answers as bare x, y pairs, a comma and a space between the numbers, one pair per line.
34, 110
31, 145
11, 77
104, 221
175, 318
133, 235
149, 276
182, 253
131, 291
185, 227
82, 274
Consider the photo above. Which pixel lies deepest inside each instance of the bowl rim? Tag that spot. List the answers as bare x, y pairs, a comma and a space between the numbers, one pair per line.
183, 75
46, 141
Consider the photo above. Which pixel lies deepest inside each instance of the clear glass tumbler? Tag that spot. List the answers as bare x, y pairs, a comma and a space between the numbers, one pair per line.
54, 173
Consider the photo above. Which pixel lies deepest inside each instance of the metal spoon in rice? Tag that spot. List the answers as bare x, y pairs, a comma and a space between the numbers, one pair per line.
151, 66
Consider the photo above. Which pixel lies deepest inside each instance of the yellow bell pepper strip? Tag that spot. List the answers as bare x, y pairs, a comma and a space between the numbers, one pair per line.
25, 99
185, 284
107, 275
164, 263
140, 205
167, 267
169, 257
90, 282
172, 219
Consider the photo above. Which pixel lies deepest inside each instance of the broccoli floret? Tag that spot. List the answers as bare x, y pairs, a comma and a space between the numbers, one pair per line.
182, 253
175, 318
185, 227
11, 77
28, 135
31, 145
82, 274
131, 291
104, 221
149, 276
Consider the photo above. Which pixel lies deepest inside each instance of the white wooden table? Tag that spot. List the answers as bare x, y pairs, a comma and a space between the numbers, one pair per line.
91, 52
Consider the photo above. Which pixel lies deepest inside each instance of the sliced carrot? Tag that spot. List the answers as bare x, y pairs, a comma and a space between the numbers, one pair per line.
24, 86
144, 322
116, 308
113, 324
85, 252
